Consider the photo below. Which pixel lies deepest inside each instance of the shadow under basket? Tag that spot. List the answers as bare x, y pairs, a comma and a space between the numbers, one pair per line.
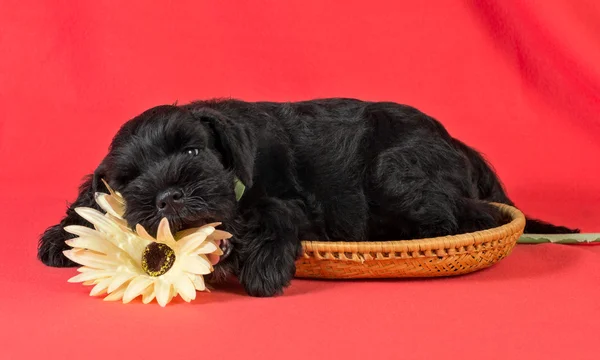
433, 257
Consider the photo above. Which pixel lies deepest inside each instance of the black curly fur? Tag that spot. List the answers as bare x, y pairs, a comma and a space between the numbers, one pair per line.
333, 169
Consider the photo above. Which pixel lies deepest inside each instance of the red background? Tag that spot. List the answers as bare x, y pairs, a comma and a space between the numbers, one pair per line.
518, 80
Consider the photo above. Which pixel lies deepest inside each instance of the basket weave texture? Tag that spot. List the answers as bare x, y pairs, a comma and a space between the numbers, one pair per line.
433, 257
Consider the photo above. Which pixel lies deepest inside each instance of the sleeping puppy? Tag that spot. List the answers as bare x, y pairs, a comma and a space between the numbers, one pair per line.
333, 169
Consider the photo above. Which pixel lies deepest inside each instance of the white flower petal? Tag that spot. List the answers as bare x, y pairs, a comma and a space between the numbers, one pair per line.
207, 230
143, 233
183, 233
164, 233
148, 294
120, 279
121, 223
99, 244
116, 295
81, 230
190, 242
118, 197
162, 290
185, 288
136, 287
91, 259
207, 247
90, 275
172, 293
197, 265
101, 222
219, 235
197, 281
101, 287
109, 204
132, 245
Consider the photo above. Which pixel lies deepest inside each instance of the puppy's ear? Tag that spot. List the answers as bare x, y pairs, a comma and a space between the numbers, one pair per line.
236, 142
52, 242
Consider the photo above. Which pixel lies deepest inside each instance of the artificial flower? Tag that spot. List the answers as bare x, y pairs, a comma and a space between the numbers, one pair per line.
124, 264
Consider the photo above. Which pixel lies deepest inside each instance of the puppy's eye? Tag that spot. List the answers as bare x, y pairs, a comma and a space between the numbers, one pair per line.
192, 151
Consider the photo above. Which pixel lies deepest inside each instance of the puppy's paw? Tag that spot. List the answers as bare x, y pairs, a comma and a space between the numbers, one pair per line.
265, 279
51, 247
260, 287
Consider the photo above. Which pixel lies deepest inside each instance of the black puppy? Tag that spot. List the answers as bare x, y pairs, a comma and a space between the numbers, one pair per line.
335, 169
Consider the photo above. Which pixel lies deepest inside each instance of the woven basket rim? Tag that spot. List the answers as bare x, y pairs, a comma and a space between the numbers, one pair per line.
516, 224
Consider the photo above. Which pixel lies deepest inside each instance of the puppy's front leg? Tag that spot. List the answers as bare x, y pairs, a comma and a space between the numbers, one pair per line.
52, 242
271, 247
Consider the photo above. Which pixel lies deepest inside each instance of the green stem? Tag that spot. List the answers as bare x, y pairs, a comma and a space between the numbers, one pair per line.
559, 239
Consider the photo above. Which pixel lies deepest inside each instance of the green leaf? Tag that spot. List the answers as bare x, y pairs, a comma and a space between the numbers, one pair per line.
559, 239
239, 188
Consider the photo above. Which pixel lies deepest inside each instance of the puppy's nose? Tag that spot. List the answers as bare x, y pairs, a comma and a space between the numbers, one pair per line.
169, 200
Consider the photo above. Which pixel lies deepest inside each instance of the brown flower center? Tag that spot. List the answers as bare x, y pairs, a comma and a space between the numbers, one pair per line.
157, 259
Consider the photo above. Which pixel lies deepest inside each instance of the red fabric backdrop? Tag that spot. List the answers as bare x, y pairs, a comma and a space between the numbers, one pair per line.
518, 80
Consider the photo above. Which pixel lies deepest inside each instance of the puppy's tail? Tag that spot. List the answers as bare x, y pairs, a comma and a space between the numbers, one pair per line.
490, 189
534, 226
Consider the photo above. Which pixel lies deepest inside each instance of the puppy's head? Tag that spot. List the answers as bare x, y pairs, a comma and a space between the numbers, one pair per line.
179, 163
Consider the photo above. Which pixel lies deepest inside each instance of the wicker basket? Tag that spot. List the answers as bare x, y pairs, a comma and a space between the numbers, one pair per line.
441, 256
